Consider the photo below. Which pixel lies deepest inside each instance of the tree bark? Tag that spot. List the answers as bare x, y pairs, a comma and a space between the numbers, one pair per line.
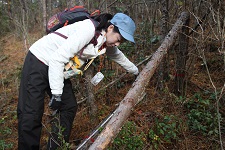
124, 109
44, 15
24, 23
162, 71
92, 107
181, 59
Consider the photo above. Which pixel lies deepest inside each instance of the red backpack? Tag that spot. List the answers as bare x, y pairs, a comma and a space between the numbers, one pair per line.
68, 16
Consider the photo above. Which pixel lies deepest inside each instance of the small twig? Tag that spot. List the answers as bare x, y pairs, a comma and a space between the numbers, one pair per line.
116, 80
201, 21
2, 58
110, 5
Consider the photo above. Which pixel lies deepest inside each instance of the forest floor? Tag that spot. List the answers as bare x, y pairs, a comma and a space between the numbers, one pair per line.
160, 120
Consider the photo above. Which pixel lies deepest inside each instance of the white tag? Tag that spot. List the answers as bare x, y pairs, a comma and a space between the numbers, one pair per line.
97, 78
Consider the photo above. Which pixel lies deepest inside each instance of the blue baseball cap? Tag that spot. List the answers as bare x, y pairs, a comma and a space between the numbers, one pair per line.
125, 25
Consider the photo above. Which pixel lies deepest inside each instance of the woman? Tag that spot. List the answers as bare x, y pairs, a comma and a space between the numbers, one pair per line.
44, 67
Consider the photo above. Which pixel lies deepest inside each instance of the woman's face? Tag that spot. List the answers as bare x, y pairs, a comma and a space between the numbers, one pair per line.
112, 38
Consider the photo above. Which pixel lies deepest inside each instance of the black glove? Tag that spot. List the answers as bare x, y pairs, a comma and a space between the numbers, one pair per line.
55, 102
135, 76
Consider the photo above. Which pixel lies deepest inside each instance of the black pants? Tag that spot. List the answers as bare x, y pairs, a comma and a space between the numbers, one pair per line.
34, 84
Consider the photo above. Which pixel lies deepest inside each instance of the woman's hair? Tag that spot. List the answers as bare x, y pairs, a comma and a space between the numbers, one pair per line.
115, 29
104, 23
103, 20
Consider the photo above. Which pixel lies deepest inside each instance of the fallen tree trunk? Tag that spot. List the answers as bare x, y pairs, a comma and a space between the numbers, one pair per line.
124, 109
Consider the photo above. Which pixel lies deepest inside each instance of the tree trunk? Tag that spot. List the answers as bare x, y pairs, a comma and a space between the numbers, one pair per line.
92, 108
162, 72
24, 22
44, 15
124, 109
181, 59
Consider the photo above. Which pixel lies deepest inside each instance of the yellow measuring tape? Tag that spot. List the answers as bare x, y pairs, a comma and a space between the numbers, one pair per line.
78, 65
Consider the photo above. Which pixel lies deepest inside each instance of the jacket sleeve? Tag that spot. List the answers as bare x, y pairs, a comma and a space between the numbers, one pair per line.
116, 55
75, 42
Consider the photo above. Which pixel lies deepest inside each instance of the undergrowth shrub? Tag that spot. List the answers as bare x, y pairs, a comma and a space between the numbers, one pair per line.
202, 115
4, 132
164, 131
128, 138
128, 48
56, 133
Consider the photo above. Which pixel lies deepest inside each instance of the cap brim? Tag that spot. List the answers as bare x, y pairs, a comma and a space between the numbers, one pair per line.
127, 36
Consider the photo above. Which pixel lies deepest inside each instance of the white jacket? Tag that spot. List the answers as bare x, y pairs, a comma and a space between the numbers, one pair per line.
55, 51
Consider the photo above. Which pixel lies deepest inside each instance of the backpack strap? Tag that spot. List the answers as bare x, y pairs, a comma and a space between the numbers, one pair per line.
60, 34
96, 23
93, 41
